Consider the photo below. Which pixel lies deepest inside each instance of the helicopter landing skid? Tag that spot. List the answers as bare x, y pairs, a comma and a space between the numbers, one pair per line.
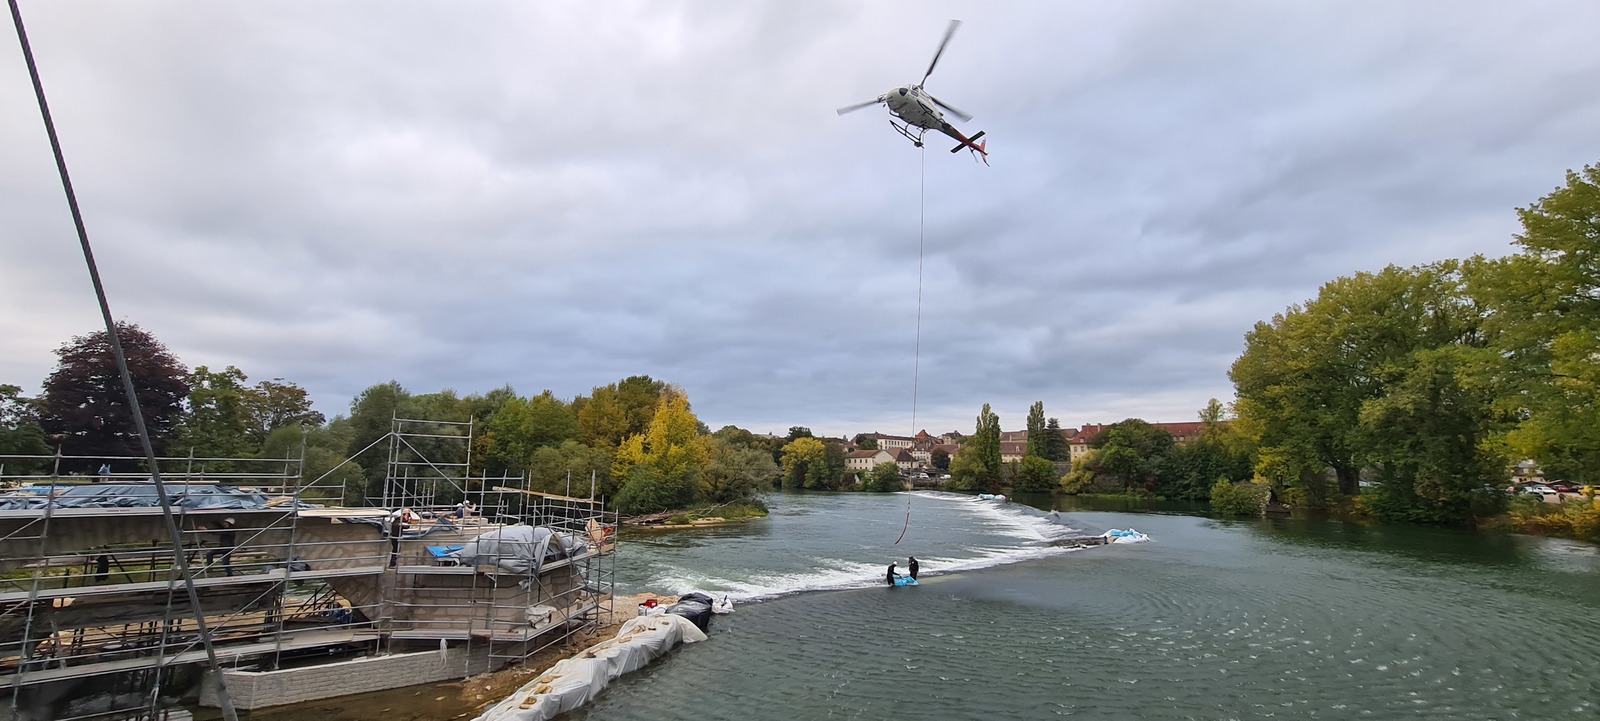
905, 129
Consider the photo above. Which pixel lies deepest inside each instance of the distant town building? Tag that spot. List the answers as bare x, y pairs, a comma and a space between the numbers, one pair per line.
863, 461
920, 447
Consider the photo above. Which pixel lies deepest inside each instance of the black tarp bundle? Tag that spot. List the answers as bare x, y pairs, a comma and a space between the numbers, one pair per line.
694, 606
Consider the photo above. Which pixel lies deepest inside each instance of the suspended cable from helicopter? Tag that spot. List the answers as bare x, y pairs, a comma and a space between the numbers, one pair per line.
919, 112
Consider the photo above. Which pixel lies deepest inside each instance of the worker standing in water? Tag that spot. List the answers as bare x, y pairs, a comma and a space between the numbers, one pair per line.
913, 565
892, 575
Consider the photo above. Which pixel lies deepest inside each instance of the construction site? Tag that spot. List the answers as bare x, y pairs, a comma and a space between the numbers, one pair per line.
306, 589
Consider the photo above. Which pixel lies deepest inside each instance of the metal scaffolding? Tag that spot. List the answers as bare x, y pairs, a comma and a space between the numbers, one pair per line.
89, 592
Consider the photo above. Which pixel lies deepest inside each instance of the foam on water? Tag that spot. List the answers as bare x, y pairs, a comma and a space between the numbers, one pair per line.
1002, 533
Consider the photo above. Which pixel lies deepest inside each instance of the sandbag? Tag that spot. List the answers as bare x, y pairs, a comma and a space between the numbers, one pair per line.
573, 682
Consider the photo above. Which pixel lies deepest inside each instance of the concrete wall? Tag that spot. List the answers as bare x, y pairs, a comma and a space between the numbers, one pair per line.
260, 689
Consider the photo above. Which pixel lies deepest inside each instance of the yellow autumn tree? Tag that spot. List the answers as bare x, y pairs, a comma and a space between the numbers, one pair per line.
660, 468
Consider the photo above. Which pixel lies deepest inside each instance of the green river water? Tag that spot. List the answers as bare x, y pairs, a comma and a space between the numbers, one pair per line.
1302, 619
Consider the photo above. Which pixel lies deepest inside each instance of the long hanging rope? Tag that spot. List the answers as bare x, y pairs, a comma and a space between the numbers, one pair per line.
178, 557
916, 355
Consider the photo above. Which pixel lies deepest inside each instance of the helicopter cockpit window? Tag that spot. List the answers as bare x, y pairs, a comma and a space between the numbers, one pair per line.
902, 92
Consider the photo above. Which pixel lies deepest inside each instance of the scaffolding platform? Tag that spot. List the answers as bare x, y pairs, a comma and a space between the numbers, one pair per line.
91, 589
229, 654
175, 585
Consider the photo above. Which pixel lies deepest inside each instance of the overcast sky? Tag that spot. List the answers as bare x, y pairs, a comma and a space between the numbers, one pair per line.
559, 195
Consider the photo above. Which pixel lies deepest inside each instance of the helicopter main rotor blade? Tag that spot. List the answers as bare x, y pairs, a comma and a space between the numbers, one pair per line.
953, 111
946, 41
858, 106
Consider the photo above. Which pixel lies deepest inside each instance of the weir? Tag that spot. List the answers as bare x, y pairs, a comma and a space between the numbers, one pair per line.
301, 593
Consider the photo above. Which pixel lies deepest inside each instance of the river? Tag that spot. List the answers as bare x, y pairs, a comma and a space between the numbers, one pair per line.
1305, 619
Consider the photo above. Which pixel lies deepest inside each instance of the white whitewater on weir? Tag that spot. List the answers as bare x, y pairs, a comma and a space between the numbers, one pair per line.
813, 542
844, 545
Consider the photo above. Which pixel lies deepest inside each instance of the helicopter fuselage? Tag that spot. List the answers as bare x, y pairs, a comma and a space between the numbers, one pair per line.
912, 104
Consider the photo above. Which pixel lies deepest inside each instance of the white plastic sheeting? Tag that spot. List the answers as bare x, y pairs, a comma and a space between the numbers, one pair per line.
573, 682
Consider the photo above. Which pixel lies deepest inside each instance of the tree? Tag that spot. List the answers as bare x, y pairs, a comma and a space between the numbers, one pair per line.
1305, 376
614, 413
1055, 446
798, 432
884, 478
551, 466
1036, 475
84, 399
940, 459
799, 456
1134, 452
325, 474
737, 436
522, 426
20, 434
1427, 437
736, 472
1220, 452
984, 451
279, 403
649, 489
1036, 430
967, 471
220, 415
832, 470
1083, 473
1238, 499
1543, 329
663, 464
866, 442
372, 416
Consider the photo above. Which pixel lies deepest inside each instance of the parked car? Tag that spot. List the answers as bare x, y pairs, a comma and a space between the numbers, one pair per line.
1563, 486
1538, 490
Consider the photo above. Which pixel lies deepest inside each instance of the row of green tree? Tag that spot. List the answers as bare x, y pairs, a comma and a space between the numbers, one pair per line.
637, 439
1408, 393
1430, 381
978, 465
1136, 457
82, 410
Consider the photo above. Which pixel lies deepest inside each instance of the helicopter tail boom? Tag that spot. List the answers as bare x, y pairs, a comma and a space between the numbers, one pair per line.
972, 144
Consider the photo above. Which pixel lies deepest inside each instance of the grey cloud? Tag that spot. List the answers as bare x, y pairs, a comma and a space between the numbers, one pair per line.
558, 195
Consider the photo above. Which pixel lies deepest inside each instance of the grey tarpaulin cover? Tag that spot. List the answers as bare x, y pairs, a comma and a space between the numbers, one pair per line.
135, 495
518, 549
573, 682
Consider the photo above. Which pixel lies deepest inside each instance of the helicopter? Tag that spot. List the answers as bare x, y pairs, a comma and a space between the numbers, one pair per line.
917, 109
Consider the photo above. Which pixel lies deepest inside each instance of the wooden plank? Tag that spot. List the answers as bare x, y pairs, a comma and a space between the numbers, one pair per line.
542, 494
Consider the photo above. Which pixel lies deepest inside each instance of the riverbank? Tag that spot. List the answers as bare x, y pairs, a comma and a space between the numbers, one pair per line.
701, 516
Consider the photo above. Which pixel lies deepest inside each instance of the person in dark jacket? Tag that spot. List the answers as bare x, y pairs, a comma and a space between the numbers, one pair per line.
913, 568
892, 575
227, 540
